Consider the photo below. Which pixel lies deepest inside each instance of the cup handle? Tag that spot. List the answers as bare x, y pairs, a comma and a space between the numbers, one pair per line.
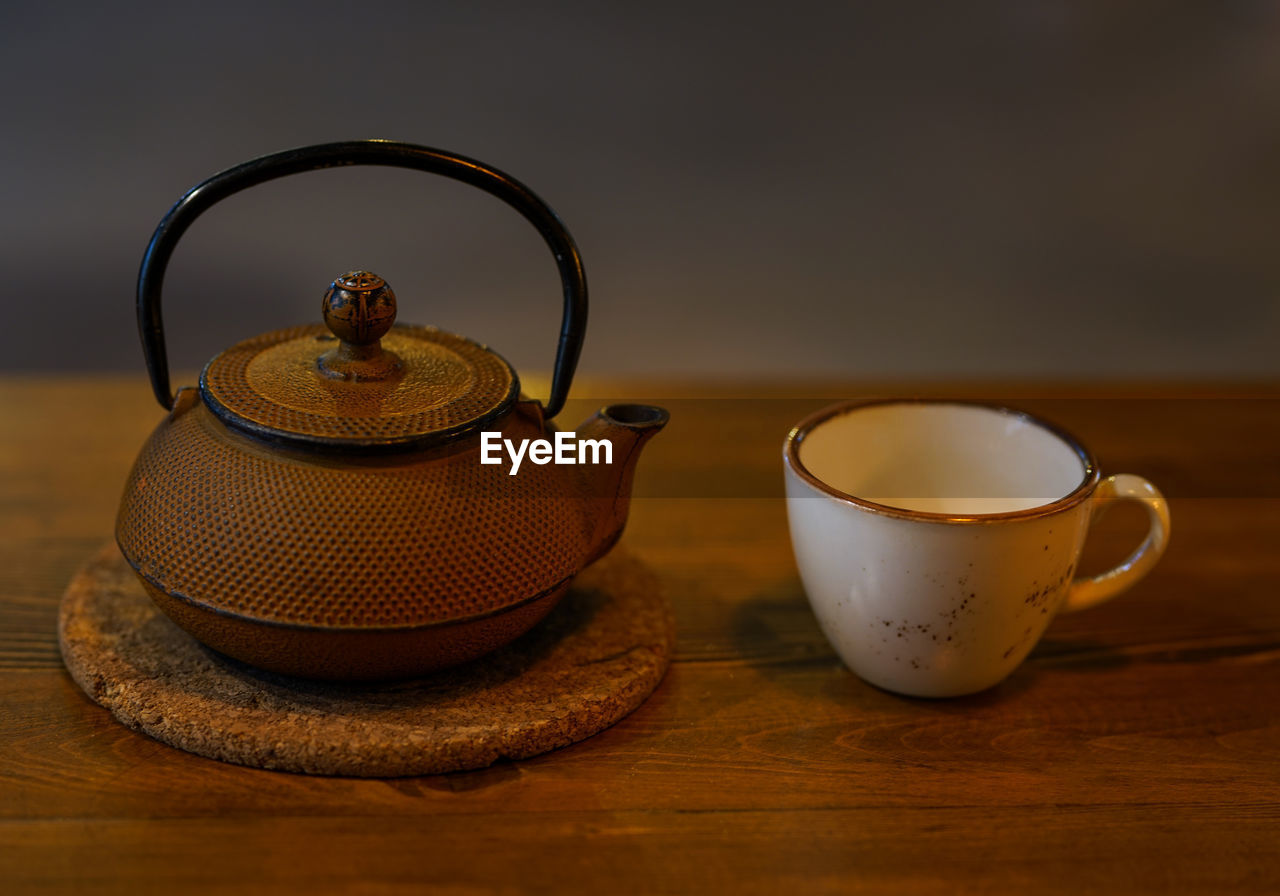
1123, 487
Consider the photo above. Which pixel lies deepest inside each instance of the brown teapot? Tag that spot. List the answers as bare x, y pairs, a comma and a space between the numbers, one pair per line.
370, 500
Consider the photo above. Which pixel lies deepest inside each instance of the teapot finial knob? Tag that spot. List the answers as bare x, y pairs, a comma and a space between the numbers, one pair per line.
359, 308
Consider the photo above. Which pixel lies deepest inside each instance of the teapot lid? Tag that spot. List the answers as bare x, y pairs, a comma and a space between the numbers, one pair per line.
364, 384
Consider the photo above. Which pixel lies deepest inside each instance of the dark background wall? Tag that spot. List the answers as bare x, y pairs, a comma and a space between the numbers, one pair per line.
1017, 189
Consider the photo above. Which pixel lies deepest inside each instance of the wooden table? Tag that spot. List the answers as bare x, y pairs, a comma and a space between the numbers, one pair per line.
1137, 750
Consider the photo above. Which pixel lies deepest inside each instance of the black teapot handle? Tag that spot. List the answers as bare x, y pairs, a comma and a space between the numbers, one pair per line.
362, 152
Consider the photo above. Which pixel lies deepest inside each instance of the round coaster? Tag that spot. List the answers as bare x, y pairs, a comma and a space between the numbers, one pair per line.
595, 658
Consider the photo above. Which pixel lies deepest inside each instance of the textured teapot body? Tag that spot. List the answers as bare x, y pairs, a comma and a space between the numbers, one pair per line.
369, 566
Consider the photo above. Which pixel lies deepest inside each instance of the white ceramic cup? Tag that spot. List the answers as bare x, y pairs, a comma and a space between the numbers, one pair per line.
936, 540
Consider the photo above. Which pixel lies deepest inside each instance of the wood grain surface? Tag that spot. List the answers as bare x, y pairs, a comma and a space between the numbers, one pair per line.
1137, 750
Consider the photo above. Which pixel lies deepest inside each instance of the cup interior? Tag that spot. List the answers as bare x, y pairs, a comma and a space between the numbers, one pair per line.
953, 459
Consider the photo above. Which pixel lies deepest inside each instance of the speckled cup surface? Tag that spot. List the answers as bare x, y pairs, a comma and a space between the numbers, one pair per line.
937, 540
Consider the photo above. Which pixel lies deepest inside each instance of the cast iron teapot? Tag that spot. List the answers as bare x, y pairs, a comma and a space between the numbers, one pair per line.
347, 503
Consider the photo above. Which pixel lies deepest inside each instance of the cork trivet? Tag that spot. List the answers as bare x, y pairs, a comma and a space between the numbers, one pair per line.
595, 658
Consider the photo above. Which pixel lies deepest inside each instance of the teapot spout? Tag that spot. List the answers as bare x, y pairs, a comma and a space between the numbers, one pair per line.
627, 427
